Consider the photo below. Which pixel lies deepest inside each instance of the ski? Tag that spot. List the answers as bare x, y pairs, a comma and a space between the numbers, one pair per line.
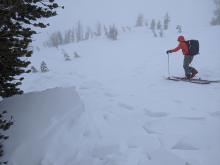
198, 79
186, 80
193, 80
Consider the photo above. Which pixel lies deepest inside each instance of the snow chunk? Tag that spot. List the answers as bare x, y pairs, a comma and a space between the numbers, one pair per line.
183, 145
51, 123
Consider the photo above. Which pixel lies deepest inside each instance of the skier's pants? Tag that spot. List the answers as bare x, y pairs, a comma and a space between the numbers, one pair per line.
187, 61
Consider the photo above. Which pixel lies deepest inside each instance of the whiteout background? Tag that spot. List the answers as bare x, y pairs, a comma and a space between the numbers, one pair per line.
113, 106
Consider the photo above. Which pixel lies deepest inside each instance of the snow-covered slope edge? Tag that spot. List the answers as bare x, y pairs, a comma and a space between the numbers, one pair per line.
66, 135
59, 111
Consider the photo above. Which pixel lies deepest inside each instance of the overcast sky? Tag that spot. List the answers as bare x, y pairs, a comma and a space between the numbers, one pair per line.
191, 12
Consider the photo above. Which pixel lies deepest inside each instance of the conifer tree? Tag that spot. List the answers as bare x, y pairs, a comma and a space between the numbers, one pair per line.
113, 32
72, 38
216, 19
67, 36
106, 30
43, 67
79, 32
55, 39
158, 25
88, 33
153, 25
166, 21
5, 124
179, 28
161, 33
99, 29
17, 19
140, 20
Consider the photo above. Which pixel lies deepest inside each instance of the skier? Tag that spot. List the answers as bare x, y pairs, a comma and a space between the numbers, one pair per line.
190, 72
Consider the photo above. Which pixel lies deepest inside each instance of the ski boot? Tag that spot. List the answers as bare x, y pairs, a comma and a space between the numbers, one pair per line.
187, 77
194, 72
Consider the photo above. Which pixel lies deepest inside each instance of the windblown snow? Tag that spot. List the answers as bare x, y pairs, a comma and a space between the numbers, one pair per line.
112, 105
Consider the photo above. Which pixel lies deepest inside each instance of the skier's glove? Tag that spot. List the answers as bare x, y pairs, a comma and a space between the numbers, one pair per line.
169, 51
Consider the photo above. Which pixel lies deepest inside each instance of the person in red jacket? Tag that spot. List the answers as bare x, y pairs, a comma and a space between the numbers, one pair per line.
190, 72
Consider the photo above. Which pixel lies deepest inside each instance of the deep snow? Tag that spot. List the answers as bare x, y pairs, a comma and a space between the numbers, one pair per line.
113, 106
41, 119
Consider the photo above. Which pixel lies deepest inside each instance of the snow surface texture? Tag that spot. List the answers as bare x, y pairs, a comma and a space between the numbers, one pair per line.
122, 111
45, 122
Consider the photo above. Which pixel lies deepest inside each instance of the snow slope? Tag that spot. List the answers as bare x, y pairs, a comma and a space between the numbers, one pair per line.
122, 111
132, 114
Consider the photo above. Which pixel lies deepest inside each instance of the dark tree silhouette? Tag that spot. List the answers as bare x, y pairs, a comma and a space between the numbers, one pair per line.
17, 19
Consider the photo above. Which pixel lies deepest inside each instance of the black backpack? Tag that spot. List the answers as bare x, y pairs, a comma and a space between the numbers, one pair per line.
193, 46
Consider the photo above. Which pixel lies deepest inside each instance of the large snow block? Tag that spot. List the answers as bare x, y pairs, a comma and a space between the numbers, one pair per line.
43, 121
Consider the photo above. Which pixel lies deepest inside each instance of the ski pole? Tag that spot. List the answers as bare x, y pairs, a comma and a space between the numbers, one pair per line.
168, 67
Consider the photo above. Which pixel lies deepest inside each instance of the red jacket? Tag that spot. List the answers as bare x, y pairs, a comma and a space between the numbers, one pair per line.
182, 45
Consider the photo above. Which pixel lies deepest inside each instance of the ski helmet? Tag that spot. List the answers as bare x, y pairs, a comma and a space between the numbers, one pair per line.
181, 38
